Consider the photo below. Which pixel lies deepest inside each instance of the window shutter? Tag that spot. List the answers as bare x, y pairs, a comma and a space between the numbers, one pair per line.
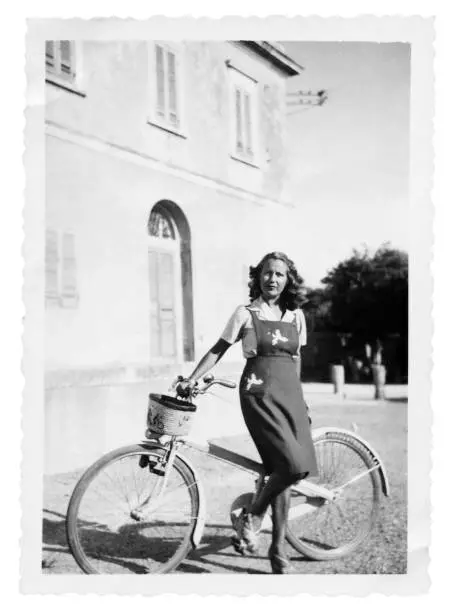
247, 116
154, 321
51, 266
50, 54
69, 280
60, 58
167, 304
172, 88
244, 110
162, 304
159, 67
66, 58
238, 121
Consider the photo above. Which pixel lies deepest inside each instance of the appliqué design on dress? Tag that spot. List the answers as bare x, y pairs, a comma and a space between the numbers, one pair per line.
277, 337
252, 380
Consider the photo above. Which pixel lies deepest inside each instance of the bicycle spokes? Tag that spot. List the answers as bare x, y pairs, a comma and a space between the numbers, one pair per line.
132, 518
335, 525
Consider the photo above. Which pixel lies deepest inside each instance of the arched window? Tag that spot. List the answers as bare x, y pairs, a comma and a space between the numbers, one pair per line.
170, 284
160, 225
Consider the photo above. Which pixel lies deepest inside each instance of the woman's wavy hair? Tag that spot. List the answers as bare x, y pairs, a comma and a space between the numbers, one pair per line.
293, 295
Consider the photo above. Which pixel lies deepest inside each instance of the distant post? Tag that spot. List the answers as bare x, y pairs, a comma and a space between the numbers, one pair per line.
338, 379
379, 376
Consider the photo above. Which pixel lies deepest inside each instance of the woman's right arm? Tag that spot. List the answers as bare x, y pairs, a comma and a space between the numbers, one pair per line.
210, 359
231, 334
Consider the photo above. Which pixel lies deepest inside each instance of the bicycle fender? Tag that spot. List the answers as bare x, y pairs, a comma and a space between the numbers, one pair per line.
198, 529
320, 431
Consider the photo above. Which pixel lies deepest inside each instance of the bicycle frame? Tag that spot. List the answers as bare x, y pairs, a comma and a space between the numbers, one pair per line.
306, 488
316, 495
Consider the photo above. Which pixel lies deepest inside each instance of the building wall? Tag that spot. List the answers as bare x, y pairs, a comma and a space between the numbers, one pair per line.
117, 108
106, 202
106, 167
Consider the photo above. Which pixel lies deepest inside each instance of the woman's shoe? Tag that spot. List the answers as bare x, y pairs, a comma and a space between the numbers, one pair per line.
247, 537
280, 563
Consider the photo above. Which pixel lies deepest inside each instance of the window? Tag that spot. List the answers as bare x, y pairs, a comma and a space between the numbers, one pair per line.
163, 283
61, 59
244, 116
243, 142
63, 65
170, 300
166, 90
162, 304
60, 266
160, 226
51, 266
69, 294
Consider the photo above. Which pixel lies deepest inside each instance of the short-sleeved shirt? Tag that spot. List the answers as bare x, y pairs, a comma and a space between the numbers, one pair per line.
240, 325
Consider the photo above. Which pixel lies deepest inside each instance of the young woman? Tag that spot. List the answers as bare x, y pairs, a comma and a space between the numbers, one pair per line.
272, 329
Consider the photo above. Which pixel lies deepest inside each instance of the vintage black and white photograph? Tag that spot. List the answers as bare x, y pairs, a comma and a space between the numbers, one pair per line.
227, 227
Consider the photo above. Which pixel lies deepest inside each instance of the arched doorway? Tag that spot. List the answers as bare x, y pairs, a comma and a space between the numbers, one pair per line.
170, 284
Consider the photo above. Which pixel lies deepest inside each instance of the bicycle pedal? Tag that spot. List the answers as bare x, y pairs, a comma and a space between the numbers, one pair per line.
252, 549
239, 545
137, 515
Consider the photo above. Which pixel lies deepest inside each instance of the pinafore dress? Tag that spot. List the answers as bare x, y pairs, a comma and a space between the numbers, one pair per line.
272, 402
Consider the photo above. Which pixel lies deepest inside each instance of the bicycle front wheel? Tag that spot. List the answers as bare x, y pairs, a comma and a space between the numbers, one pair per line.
336, 528
104, 533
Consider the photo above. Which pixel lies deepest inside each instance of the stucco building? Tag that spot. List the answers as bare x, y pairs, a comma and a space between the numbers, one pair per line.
165, 169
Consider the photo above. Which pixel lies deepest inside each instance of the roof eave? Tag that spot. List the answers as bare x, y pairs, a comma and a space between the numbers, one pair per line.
270, 52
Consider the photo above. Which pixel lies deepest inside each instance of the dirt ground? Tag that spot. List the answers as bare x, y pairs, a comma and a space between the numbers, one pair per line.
383, 424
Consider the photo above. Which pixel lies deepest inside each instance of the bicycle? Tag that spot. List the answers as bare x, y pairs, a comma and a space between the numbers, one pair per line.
160, 495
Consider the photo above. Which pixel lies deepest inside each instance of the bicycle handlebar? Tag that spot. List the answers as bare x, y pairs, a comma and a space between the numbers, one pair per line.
221, 381
196, 390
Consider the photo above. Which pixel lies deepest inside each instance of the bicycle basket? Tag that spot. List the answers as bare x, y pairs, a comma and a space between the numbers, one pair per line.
169, 415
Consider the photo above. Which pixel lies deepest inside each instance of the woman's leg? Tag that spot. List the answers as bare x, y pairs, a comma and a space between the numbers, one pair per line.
275, 486
249, 524
280, 511
276, 492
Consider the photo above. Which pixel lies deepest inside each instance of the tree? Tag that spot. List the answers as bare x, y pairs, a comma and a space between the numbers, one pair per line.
317, 309
367, 296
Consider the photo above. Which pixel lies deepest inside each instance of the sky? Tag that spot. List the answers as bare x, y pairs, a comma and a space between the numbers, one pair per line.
349, 159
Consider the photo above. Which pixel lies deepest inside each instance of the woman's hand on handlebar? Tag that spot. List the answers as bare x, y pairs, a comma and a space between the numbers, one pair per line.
188, 387
184, 387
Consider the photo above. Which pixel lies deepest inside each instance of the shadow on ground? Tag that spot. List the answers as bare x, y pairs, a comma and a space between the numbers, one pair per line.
128, 544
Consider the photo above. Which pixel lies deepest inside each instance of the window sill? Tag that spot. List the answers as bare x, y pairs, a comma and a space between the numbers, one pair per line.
246, 161
167, 128
62, 301
52, 301
67, 86
69, 302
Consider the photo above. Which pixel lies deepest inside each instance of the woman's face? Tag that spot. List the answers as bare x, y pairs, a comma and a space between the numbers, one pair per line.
273, 279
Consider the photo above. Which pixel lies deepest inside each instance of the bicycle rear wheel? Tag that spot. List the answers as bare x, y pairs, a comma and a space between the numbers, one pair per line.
103, 536
336, 528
